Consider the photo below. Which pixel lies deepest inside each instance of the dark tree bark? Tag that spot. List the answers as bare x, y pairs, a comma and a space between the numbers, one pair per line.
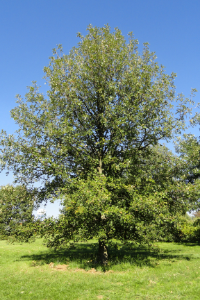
103, 252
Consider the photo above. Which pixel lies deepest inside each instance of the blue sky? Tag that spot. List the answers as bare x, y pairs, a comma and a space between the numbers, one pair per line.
30, 29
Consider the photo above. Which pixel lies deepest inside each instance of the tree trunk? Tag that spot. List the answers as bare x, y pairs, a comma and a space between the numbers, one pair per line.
103, 253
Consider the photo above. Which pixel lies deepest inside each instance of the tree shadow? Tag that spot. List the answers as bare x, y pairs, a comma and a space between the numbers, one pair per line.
85, 255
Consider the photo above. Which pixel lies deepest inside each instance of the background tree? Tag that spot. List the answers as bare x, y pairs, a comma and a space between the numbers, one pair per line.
106, 108
189, 149
16, 209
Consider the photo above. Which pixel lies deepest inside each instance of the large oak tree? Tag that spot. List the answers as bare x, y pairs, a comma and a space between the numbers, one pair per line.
107, 107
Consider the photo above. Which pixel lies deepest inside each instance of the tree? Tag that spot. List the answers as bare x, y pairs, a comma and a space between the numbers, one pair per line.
107, 107
16, 207
189, 149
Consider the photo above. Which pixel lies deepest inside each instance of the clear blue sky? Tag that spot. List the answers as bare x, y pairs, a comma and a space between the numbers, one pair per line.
30, 29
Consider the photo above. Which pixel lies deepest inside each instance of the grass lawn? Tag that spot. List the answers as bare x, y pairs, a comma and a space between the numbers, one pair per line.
31, 271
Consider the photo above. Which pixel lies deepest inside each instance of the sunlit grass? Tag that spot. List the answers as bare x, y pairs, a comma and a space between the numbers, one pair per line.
29, 271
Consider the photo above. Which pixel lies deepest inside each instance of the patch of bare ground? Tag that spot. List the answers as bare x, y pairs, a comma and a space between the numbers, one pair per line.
58, 267
65, 267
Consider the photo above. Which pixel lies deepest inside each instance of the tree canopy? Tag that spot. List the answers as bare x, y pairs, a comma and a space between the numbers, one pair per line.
92, 139
16, 208
189, 149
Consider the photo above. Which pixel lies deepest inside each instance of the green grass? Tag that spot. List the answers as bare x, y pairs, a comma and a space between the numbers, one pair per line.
174, 273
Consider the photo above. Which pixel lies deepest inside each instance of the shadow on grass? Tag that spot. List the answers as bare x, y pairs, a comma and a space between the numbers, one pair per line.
85, 256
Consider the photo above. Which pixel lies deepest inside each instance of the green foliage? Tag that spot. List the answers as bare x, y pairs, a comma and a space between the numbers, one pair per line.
109, 209
16, 206
94, 142
187, 230
189, 149
105, 100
